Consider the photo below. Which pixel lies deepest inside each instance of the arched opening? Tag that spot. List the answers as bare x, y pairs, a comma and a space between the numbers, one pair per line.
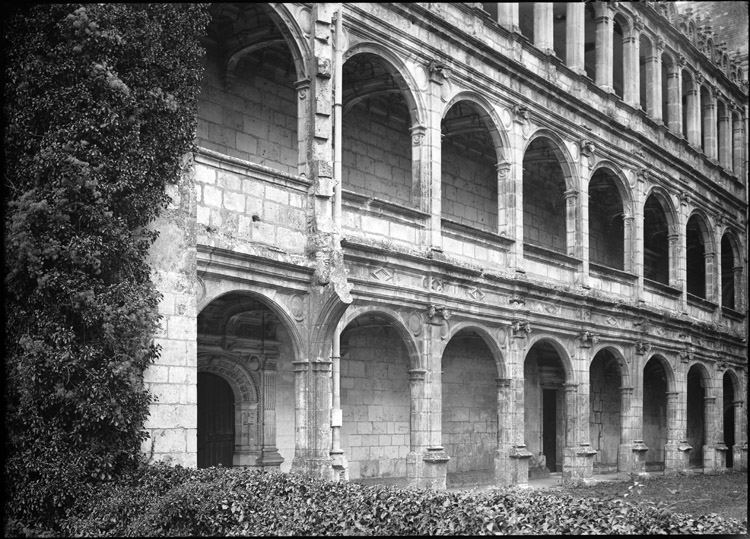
544, 409
697, 380
646, 68
728, 298
667, 89
705, 121
242, 340
696, 257
215, 421
688, 106
728, 417
606, 226
469, 168
723, 134
737, 144
589, 45
469, 405
655, 241
560, 37
376, 146
605, 414
375, 400
526, 19
655, 413
544, 205
619, 27
249, 78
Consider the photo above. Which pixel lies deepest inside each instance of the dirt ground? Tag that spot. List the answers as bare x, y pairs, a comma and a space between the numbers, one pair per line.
697, 494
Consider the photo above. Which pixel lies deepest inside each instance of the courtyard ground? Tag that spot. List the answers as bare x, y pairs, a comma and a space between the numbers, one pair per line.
694, 494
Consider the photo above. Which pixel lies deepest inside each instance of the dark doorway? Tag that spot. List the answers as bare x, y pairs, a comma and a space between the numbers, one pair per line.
729, 419
549, 428
215, 421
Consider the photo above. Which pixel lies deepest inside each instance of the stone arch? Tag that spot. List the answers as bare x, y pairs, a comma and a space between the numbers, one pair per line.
487, 112
295, 37
658, 398
699, 255
471, 152
399, 324
619, 355
647, 78
235, 370
610, 220
215, 289
668, 370
731, 416
660, 232
710, 49
731, 270
559, 347
403, 76
563, 154
489, 340
609, 406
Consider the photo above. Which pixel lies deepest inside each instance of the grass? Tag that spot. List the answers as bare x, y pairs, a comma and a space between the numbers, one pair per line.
693, 494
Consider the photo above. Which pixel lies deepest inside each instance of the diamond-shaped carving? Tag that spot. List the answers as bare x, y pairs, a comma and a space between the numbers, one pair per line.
382, 274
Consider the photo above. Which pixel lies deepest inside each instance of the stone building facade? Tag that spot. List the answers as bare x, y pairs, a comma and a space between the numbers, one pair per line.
458, 243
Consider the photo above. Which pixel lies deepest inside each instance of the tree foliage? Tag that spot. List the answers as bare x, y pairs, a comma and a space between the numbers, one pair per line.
100, 103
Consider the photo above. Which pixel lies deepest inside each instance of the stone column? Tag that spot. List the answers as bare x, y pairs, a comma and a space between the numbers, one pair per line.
604, 38
431, 174
578, 455
725, 136
677, 269
506, 200
578, 214
739, 289
574, 36
714, 449
503, 465
338, 458
519, 124
709, 121
712, 278
693, 114
507, 15
653, 84
427, 462
677, 450
739, 451
629, 243
420, 168
738, 148
543, 30
269, 454
639, 201
674, 88
519, 454
631, 92
301, 389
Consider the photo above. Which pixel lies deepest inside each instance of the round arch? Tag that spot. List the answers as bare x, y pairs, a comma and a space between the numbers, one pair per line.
668, 371
402, 76
619, 355
218, 289
487, 112
621, 182
234, 370
562, 353
407, 336
704, 224
486, 336
562, 153
665, 201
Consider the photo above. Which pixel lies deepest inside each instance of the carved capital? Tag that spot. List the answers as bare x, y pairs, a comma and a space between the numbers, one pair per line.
520, 113
588, 339
520, 328
642, 348
417, 135
438, 72
437, 313
587, 147
503, 169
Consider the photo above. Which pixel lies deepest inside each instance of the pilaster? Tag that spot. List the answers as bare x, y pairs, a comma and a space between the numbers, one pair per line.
574, 36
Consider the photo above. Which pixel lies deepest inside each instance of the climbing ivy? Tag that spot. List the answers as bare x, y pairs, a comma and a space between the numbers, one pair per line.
100, 112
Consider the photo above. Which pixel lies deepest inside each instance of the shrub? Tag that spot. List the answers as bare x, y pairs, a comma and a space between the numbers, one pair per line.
100, 111
241, 502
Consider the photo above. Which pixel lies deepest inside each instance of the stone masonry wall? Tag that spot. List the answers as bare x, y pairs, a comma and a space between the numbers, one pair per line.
469, 422
469, 189
604, 416
376, 157
256, 120
375, 403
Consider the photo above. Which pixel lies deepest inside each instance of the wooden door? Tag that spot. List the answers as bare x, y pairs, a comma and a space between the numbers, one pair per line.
215, 421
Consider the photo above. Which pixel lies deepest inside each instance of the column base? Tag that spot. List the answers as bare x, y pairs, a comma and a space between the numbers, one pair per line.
427, 469
677, 457
739, 457
340, 466
632, 458
319, 467
715, 458
578, 464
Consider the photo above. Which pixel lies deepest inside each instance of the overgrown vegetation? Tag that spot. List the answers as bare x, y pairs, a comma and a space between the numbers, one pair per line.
99, 115
163, 501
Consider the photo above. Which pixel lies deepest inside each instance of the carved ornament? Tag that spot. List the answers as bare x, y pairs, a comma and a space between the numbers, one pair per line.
588, 339
437, 313
642, 348
520, 328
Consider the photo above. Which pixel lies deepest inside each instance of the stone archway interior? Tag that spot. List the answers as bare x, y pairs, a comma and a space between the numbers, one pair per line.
544, 410
604, 411
469, 419
654, 413
696, 431
215, 421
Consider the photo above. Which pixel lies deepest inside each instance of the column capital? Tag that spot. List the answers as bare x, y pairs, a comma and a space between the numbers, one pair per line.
416, 375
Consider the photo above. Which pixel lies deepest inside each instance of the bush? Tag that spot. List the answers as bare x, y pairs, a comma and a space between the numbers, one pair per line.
163, 501
99, 106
